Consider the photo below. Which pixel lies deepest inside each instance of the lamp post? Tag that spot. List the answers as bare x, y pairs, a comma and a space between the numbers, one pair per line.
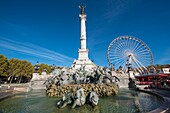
53, 67
36, 67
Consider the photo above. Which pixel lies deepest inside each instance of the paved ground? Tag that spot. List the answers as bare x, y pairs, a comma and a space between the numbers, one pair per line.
5, 92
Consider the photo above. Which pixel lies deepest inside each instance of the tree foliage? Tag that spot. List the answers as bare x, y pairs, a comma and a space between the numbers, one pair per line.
44, 68
15, 68
3, 65
158, 66
26, 69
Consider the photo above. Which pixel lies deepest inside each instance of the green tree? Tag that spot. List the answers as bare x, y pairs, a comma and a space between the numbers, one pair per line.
44, 67
13, 70
3, 65
159, 66
26, 69
19, 69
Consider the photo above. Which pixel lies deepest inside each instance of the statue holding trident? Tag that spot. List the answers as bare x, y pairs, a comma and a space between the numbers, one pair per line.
82, 9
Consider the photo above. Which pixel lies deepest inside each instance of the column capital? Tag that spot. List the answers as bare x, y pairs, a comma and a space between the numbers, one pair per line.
82, 16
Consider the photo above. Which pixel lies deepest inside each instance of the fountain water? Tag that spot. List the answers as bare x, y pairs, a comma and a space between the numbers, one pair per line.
36, 101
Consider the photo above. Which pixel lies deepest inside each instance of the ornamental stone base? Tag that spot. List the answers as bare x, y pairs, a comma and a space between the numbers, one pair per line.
101, 90
89, 65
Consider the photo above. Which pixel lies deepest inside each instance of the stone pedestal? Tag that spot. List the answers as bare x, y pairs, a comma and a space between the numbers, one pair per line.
83, 54
87, 63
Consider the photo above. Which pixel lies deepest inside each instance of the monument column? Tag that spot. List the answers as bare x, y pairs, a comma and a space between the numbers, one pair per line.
83, 59
83, 31
83, 52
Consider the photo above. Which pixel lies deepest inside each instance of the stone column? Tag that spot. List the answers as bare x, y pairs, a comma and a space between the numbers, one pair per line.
83, 31
83, 51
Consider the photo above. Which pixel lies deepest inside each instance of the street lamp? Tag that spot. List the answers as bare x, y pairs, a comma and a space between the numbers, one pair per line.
53, 67
36, 67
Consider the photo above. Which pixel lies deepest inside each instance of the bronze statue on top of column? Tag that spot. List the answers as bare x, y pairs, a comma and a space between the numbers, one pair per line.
82, 9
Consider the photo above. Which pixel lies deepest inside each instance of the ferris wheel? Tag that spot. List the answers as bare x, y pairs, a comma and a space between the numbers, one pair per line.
129, 52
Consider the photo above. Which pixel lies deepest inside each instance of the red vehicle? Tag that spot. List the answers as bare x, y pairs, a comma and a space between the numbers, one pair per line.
159, 80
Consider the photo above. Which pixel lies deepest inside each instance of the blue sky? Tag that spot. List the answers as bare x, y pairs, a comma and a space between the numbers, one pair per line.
48, 31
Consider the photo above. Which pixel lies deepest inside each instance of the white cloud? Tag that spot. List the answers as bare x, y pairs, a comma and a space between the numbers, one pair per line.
116, 8
34, 50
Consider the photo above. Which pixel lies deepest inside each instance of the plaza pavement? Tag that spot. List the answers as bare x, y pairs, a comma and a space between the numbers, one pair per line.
5, 91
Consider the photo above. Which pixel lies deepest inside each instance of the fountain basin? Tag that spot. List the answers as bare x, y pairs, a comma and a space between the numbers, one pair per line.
37, 101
